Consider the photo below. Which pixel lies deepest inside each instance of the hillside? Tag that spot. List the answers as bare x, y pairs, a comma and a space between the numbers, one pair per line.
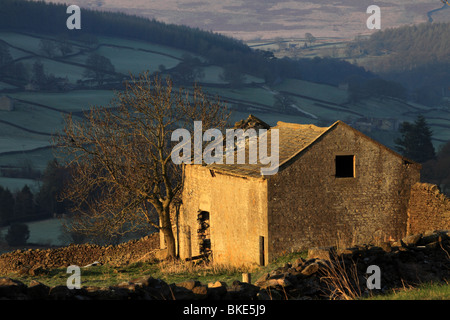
249, 20
172, 50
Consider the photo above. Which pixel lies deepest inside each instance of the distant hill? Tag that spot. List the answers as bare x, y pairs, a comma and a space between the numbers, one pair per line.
276, 18
39, 17
417, 56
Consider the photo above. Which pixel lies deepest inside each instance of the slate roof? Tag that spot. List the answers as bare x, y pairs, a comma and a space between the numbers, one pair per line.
293, 138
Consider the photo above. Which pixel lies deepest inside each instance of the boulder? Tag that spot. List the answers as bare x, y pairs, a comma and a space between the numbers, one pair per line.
188, 284
37, 290
12, 289
200, 292
241, 291
62, 293
216, 290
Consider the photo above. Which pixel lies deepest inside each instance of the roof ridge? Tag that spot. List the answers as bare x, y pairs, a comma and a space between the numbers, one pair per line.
292, 125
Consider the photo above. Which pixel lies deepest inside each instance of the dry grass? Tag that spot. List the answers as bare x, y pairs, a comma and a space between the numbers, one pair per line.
202, 271
342, 280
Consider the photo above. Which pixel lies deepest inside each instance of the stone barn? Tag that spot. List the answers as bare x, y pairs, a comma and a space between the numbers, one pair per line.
334, 185
6, 103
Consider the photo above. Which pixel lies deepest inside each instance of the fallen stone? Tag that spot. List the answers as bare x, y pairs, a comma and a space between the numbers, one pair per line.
201, 291
217, 284
310, 269
411, 240
188, 284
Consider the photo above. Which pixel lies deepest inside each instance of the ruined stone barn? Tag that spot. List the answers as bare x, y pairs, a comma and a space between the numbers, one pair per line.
333, 185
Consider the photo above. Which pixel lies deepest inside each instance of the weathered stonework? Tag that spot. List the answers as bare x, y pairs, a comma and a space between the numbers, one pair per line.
254, 218
238, 214
31, 261
309, 204
428, 209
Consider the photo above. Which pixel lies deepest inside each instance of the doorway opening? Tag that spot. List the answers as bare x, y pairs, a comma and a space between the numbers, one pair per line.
203, 232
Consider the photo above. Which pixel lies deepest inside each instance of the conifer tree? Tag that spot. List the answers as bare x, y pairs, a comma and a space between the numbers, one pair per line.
415, 142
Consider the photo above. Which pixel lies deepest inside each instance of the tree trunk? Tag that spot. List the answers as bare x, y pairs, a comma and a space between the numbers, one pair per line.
170, 242
166, 229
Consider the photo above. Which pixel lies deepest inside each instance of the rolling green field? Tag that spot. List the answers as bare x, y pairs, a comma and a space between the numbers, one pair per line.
45, 232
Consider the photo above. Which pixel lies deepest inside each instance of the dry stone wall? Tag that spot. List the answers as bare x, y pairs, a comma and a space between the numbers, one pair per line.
428, 209
31, 261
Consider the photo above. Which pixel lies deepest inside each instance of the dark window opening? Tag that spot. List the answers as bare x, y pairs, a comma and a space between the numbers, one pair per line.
345, 166
203, 233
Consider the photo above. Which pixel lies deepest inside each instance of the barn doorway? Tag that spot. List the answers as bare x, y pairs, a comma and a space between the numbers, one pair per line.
203, 232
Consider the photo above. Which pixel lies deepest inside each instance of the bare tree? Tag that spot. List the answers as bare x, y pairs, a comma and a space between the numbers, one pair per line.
310, 38
98, 67
120, 156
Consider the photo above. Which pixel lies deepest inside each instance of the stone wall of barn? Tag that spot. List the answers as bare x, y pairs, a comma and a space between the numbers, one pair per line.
237, 210
310, 206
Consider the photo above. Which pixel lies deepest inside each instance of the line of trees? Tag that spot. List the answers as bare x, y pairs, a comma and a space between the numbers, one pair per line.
23, 205
15, 71
359, 89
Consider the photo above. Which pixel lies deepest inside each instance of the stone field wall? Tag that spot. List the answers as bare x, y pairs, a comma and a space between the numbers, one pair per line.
30, 261
428, 209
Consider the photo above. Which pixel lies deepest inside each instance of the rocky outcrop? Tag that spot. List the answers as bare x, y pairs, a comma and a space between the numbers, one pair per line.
412, 260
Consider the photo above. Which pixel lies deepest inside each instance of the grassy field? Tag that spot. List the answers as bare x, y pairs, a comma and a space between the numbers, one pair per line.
30, 117
427, 291
30, 44
170, 272
73, 101
38, 158
45, 233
